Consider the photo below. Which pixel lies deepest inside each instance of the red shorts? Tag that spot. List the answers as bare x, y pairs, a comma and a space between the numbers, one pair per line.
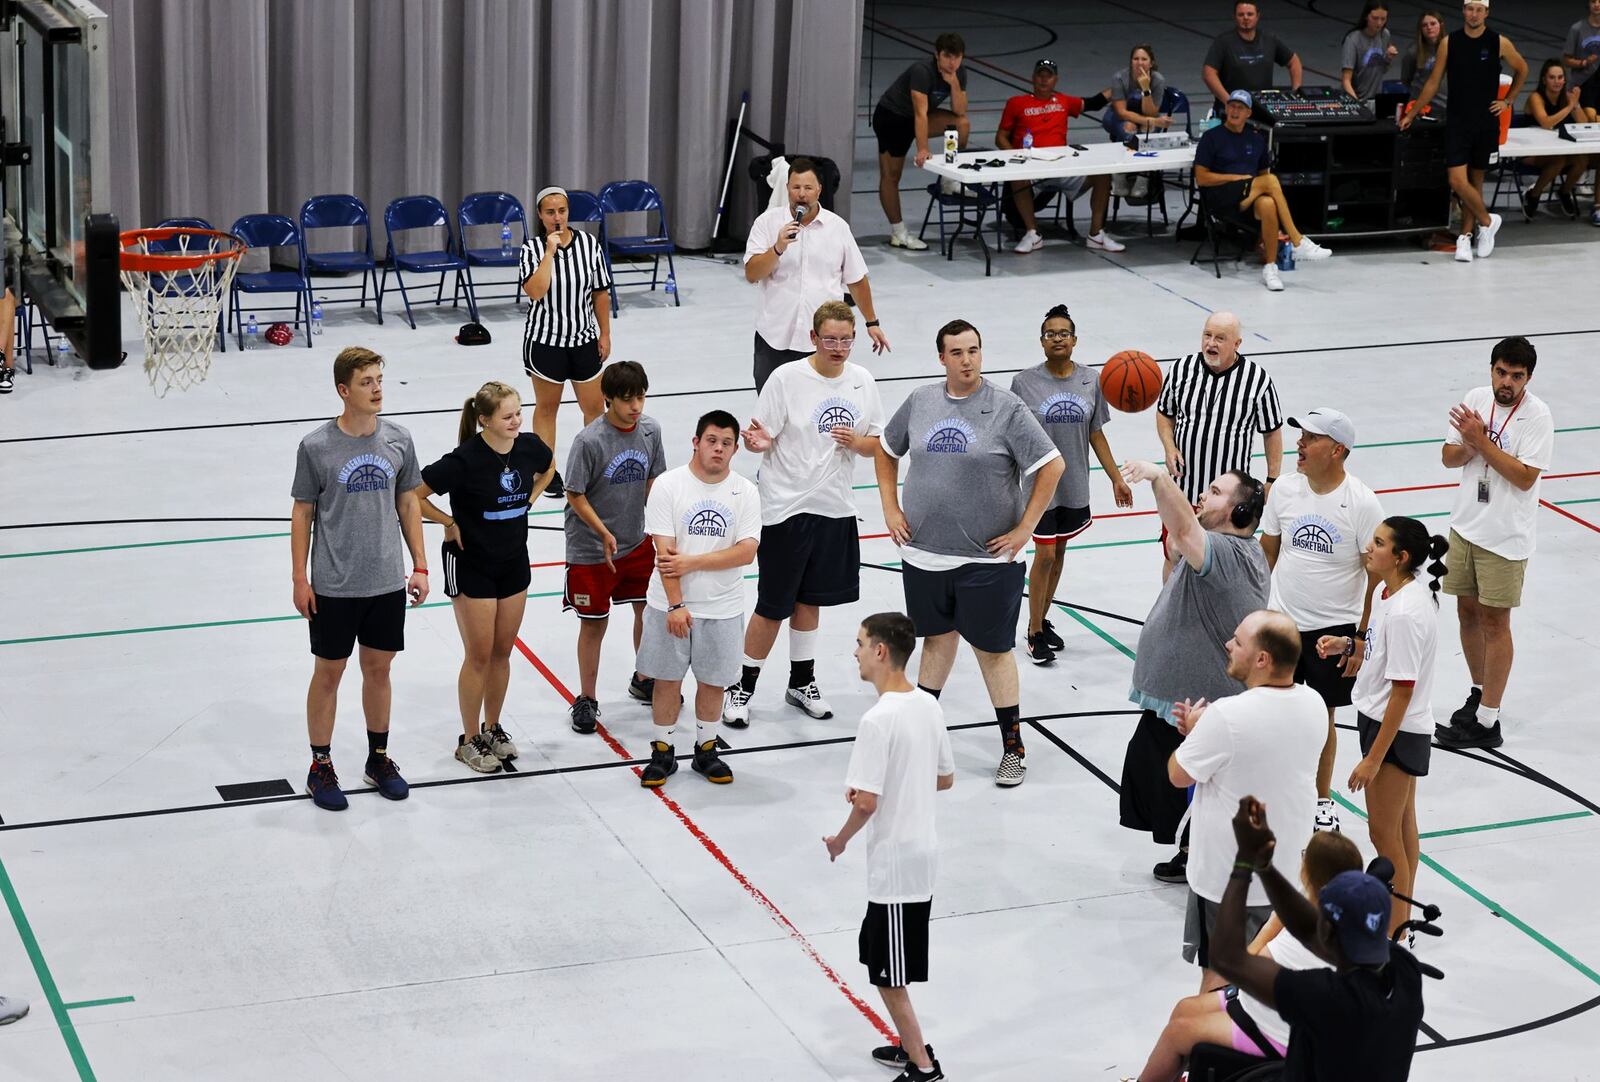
591, 589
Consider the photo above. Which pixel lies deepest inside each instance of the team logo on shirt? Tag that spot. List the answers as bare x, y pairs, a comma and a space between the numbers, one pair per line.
833, 412
1313, 533
510, 480
1063, 408
950, 436
629, 467
708, 518
366, 473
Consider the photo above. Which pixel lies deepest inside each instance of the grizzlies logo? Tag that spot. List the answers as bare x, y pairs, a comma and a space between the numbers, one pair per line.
951, 436
366, 473
627, 468
708, 518
1313, 533
1063, 408
833, 412
510, 480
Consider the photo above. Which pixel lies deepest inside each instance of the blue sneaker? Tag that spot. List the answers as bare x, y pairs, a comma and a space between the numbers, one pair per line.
385, 776
323, 785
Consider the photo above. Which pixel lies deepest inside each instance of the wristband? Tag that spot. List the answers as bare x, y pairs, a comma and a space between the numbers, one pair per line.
679, 605
1350, 646
872, 323
1243, 866
419, 570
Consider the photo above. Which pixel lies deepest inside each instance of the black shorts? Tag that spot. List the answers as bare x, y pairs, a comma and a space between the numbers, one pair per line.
378, 623
980, 601
894, 942
895, 133
769, 358
807, 560
1324, 675
1470, 143
466, 577
1061, 523
558, 364
1410, 751
1149, 800
1221, 201
1589, 95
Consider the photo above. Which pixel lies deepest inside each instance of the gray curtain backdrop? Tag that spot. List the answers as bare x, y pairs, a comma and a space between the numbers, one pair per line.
228, 107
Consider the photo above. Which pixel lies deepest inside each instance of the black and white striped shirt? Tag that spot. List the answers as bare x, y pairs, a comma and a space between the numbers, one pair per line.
564, 316
1216, 416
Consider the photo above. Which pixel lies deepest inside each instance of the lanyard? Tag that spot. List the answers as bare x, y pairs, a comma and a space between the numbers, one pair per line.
1496, 434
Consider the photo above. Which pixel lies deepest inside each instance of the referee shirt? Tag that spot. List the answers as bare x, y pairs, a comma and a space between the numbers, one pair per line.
1215, 417
564, 316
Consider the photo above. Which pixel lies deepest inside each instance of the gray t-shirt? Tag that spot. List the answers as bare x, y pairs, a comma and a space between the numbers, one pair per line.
1123, 87
611, 469
1582, 40
924, 78
356, 545
1368, 61
1415, 76
1246, 65
1182, 647
1070, 410
967, 457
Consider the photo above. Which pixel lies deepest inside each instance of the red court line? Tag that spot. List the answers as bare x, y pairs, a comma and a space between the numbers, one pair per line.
551, 563
721, 858
1562, 511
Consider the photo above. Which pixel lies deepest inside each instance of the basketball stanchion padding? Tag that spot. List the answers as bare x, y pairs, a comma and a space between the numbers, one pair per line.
179, 279
1130, 381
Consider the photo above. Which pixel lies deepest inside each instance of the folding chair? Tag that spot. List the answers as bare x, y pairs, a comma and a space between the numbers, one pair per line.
1519, 169
635, 197
177, 281
423, 212
270, 231
1218, 229
340, 212
496, 209
1173, 102
979, 199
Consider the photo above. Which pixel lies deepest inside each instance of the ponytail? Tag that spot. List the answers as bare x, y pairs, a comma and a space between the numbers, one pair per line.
482, 405
1437, 547
1423, 551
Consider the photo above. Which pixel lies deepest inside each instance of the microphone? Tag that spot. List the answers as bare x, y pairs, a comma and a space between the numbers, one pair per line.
800, 212
1382, 869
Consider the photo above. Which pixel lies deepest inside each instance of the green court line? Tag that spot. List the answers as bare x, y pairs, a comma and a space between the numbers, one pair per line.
1569, 503
46, 981
96, 1003
1098, 630
1508, 823
141, 545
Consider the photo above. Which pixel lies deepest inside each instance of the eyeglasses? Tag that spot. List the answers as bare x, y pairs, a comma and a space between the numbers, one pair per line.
1058, 336
837, 343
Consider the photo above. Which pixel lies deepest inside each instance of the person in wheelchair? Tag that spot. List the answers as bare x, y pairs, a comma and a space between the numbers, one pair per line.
1358, 1020
1232, 1018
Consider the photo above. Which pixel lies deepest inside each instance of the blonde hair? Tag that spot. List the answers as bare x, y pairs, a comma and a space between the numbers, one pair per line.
837, 311
351, 360
483, 405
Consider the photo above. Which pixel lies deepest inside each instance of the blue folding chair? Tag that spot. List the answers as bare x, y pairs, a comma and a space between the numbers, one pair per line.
497, 209
339, 212
423, 212
178, 281
269, 231
583, 208
636, 197
1173, 102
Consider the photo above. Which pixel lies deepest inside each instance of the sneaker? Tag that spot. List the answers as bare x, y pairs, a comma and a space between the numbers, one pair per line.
1471, 734
585, 715
1271, 279
1052, 640
1140, 188
736, 707
1104, 242
1309, 251
478, 755
6, 376
709, 765
947, 186
1030, 242
1463, 249
1530, 205
500, 743
913, 1073
894, 1055
1569, 202
1594, 216
13, 1008
555, 490
663, 764
1175, 870
905, 240
642, 688
1467, 711
1011, 772
323, 785
810, 700
1327, 815
1122, 185
1039, 651
1486, 234
383, 774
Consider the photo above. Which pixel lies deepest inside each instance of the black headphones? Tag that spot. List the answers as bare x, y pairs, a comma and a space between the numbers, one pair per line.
1247, 512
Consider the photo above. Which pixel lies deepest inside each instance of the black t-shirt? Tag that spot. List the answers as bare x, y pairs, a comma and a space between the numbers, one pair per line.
1246, 65
1358, 1024
1473, 69
489, 495
924, 78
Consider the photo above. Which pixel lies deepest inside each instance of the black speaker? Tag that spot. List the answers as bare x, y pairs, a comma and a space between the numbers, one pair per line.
102, 300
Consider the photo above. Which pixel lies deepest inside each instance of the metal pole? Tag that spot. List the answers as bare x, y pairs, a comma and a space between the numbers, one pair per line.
733, 154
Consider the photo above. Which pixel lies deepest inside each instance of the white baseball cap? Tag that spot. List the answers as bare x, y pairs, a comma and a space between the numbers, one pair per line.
1323, 421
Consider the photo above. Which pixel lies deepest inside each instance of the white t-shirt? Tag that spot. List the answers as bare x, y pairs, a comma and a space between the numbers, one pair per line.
816, 267
1289, 953
1264, 743
1319, 579
1504, 525
703, 518
805, 472
901, 751
1401, 641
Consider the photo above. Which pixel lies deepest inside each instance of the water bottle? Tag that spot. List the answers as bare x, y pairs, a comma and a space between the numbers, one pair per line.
505, 239
1285, 256
672, 283
63, 350
252, 332
1027, 141
316, 316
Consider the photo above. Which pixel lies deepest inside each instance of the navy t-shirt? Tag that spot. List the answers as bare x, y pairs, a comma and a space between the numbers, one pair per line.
1222, 151
489, 495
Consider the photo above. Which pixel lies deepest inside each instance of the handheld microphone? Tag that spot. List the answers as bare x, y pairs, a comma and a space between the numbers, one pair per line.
800, 212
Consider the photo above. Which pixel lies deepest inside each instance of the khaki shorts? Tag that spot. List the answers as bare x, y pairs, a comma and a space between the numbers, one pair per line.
1474, 571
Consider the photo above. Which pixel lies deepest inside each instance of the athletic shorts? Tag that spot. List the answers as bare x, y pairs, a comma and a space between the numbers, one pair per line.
1589, 95
713, 649
894, 942
1200, 924
807, 560
1325, 675
979, 601
1410, 751
1473, 571
1221, 201
1149, 800
378, 623
1228, 1001
1061, 524
769, 358
1470, 144
558, 364
591, 589
466, 577
897, 133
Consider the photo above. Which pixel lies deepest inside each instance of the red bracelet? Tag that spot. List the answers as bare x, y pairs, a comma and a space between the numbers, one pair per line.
419, 570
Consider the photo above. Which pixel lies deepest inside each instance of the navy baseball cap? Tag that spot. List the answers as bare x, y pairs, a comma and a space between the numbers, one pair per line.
1243, 97
1357, 905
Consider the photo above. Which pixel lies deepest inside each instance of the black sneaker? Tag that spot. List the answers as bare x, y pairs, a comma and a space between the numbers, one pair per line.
554, 490
642, 688
1471, 734
1039, 651
913, 1073
1468, 711
894, 1055
1052, 640
662, 765
709, 765
1569, 202
1175, 870
585, 715
6, 377
1530, 205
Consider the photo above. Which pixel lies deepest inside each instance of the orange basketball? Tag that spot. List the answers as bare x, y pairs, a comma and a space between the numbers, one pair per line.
1131, 380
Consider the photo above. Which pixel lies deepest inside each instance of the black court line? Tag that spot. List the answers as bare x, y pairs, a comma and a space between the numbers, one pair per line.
1075, 754
1512, 1031
1435, 1035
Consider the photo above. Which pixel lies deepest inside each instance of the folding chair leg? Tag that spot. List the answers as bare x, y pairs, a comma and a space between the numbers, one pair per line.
378, 284
400, 280
464, 284
238, 320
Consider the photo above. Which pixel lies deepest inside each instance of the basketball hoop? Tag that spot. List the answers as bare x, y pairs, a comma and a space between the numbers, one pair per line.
179, 278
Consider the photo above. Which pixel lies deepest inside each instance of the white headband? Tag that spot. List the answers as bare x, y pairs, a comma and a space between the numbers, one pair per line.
554, 189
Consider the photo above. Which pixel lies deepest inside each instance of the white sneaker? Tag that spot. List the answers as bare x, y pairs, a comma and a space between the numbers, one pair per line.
950, 187
810, 700
1327, 816
1012, 771
478, 755
1122, 185
901, 239
1030, 242
736, 707
500, 743
1309, 251
1140, 188
1271, 279
1104, 242
1486, 236
1463, 249
11, 1009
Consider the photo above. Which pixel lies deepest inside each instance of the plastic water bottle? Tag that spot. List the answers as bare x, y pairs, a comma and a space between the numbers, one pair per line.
316, 317
1027, 141
1285, 256
505, 239
252, 331
672, 283
63, 350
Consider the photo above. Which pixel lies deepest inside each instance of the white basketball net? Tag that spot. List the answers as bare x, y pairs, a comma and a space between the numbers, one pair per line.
178, 310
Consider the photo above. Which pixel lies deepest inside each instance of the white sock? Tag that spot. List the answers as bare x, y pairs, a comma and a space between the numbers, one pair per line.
1488, 715
666, 734
1324, 800
897, 229
705, 730
802, 645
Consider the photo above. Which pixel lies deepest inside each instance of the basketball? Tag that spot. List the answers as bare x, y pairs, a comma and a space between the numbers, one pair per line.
1130, 381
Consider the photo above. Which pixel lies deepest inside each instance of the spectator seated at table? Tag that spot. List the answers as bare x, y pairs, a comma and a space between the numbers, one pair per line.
1552, 104
1043, 114
1137, 94
1231, 171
